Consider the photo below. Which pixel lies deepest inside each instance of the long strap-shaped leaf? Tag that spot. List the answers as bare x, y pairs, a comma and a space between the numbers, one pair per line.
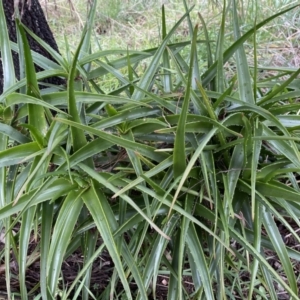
6, 57
166, 76
197, 253
38, 127
280, 248
244, 79
143, 149
36, 113
179, 147
95, 202
61, 236
104, 182
155, 256
78, 137
8, 80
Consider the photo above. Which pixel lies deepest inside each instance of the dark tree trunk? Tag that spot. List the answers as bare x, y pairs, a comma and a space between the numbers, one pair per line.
33, 17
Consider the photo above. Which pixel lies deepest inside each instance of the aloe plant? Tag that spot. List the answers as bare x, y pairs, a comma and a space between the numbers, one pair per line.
181, 175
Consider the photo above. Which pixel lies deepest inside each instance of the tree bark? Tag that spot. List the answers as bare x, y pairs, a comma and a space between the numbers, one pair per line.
32, 16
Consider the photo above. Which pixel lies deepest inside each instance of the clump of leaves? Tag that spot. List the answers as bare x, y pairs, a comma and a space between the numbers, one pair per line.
182, 175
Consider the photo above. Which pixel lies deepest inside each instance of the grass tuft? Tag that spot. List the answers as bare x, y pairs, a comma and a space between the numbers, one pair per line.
168, 167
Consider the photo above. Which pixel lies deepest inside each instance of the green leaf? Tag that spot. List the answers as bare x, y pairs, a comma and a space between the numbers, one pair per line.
279, 89
50, 191
36, 113
15, 98
280, 248
13, 134
94, 200
155, 256
286, 148
56, 56
219, 81
166, 76
9, 77
197, 253
288, 121
257, 221
191, 163
256, 149
60, 98
103, 181
61, 236
179, 146
154, 171
143, 149
46, 232
278, 190
25, 233
244, 79
19, 154
78, 137
87, 34
178, 255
